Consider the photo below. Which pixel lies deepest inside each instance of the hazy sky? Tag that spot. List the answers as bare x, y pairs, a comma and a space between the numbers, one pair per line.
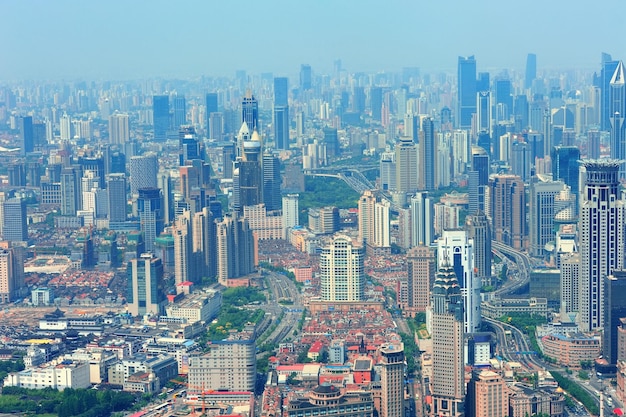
53, 39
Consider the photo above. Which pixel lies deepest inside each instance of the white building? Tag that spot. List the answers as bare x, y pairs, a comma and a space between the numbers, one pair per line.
342, 271
196, 307
58, 375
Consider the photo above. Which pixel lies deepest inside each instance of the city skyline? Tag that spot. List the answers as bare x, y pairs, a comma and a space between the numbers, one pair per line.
116, 42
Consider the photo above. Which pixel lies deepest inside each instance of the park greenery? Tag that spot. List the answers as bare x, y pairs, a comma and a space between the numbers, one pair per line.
410, 351
66, 403
571, 388
239, 296
323, 192
9, 366
528, 323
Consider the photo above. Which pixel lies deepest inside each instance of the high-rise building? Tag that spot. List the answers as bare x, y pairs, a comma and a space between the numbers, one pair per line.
248, 175
271, 181
250, 111
466, 91
479, 230
406, 166
543, 207
161, 117
422, 214
487, 395
374, 226
392, 380
143, 172
236, 253
189, 147
281, 112
478, 179
617, 115
428, 151
565, 166
614, 310
14, 220
205, 243
216, 123
116, 186
503, 99
179, 114
211, 107
145, 291
164, 183
119, 128
570, 283
305, 77
601, 227
291, 211
483, 111
448, 379
606, 74
388, 171
508, 210
420, 277
531, 70
150, 215
183, 249
27, 139
70, 191
342, 273
376, 103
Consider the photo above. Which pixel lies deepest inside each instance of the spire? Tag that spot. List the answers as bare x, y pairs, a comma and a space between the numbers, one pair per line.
618, 75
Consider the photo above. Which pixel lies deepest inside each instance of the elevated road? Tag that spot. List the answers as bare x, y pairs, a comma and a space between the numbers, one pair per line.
518, 278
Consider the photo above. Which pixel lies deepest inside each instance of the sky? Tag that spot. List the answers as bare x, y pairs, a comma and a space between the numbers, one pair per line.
130, 39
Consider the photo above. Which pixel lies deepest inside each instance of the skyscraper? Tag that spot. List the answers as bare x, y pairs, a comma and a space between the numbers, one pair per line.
150, 215
601, 226
420, 277
70, 191
542, 209
271, 181
422, 215
428, 150
392, 380
183, 249
614, 310
14, 226
606, 74
503, 99
488, 395
161, 117
145, 292
342, 273
205, 243
211, 107
250, 111
479, 230
11, 273
281, 127
374, 230
466, 91
406, 165
478, 179
305, 77
291, 210
617, 114
179, 114
143, 172
508, 210
565, 166
531, 70
248, 175
376, 103
235, 248
448, 380
116, 186
456, 250
27, 139
119, 128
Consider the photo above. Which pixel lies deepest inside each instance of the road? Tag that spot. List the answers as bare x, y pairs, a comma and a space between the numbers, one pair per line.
282, 288
521, 262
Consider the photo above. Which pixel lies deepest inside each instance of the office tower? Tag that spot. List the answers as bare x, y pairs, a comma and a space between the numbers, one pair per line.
617, 113
229, 364
324, 221
70, 191
420, 277
143, 172
211, 107
478, 179
331, 140
487, 395
250, 111
483, 111
291, 211
422, 214
116, 186
388, 171
145, 293
521, 161
376, 103
95, 164
392, 380
428, 150
606, 74
601, 228
150, 215
521, 112
183, 249
531, 70
570, 282
565, 166
271, 181
17, 174
205, 243
374, 226
479, 230
543, 207
65, 127
248, 175
358, 100
305, 77
412, 127
216, 123
456, 249
179, 113
614, 310
448, 379
161, 117
508, 210
188, 145
235, 248
8, 285
593, 144
466, 91
26, 135
503, 99
119, 128
14, 220
406, 166
281, 113
342, 273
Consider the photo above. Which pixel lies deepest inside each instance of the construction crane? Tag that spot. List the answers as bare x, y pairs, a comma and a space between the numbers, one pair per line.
202, 393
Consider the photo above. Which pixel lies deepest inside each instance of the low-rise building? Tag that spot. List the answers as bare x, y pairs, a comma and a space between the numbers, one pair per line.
163, 367
525, 401
57, 375
196, 307
571, 350
496, 308
329, 400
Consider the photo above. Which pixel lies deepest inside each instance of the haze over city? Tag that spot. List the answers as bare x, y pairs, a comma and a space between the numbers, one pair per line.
70, 39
